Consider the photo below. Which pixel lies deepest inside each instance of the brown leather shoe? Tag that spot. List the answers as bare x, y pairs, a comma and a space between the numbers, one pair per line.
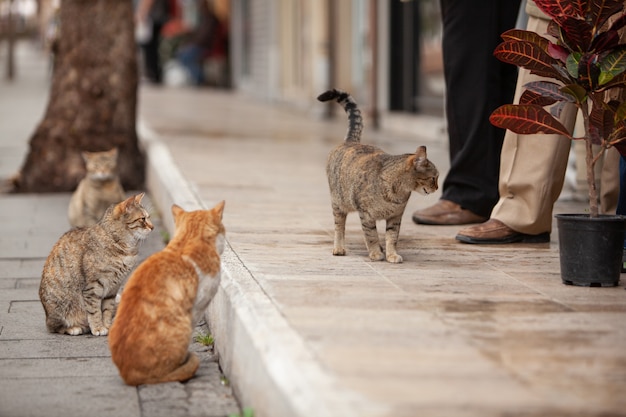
495, 232
446, 213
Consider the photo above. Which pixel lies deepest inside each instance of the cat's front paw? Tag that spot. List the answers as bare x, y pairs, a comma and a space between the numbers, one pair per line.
339, 252
377, 255
394, 259
99, 331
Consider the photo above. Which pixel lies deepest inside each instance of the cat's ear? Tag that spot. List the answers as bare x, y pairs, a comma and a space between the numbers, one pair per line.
418, 158
421, 152
138, 198
85, 155
114, 152
219, 209
176, 212
124, 206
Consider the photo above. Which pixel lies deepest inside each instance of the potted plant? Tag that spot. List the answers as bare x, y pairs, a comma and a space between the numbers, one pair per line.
586, 60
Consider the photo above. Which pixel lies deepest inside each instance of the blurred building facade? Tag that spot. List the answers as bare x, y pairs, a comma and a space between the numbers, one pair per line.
386, 53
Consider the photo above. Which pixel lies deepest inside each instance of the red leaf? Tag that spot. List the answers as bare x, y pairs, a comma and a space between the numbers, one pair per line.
530, 56
526, 35
560, 8
530, 97
549, 89
604, 41
601, 10
558, 52
527, 119
576, 33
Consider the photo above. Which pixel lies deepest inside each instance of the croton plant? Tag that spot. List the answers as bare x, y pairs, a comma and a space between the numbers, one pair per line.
585, 58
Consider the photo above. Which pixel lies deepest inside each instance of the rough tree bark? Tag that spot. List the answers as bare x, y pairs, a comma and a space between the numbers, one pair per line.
93, 99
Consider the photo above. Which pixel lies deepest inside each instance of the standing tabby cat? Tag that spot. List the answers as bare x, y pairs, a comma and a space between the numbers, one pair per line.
86, 267
165, 298
363, 178
97, 191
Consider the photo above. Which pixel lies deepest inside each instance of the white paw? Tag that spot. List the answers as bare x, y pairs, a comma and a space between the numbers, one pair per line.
100, 331
74, 331
394, 259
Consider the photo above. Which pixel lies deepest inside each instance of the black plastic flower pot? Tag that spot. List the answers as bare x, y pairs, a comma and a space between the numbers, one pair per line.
591, 249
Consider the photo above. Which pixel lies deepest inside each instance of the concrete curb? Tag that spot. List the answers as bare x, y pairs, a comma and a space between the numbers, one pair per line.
267, 363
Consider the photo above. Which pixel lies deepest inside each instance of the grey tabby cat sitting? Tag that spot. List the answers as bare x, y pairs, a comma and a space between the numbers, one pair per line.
86, 267
364, 178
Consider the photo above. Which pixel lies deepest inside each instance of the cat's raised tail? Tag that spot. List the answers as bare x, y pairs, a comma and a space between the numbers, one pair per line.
355, 121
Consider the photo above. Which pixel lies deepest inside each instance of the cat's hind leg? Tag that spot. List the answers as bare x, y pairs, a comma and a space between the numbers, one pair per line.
374, 249
55, 325
69, 321
340, 232
391, 239
183, 373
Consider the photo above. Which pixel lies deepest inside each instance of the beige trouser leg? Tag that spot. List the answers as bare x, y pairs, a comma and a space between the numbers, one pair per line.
609, 182
532, 169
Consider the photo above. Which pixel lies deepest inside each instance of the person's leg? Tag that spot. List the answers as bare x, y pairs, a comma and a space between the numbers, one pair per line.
532, 173
476, 84
621, 202
609, 181
151, 55
191, 58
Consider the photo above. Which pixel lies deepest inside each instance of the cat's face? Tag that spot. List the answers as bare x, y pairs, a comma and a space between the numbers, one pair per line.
425, 173
427, 185
134, 216
101, 165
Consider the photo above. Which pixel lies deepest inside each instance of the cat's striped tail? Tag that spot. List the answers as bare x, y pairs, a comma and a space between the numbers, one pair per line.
355, 121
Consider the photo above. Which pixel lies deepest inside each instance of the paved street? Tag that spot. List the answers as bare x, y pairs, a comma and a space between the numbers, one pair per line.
456, 330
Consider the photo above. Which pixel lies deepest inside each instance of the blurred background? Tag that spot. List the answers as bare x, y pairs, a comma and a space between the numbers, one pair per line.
386, 53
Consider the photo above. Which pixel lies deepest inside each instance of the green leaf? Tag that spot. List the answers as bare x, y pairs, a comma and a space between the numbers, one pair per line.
620, 113
612, 65
576, 91
527, 119
572, 64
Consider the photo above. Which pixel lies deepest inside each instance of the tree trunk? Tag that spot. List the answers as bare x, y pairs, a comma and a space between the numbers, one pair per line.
93, 99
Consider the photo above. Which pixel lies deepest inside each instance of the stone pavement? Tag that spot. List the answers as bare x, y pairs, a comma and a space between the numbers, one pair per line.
44, 374
456, 330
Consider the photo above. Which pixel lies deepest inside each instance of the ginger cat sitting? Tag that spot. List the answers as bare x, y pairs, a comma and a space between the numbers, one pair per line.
165, 298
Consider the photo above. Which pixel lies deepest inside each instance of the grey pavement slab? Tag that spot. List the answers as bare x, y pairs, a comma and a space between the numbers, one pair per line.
456, 330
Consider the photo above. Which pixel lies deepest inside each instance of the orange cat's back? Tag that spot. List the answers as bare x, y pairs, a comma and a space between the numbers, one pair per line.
151, 331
